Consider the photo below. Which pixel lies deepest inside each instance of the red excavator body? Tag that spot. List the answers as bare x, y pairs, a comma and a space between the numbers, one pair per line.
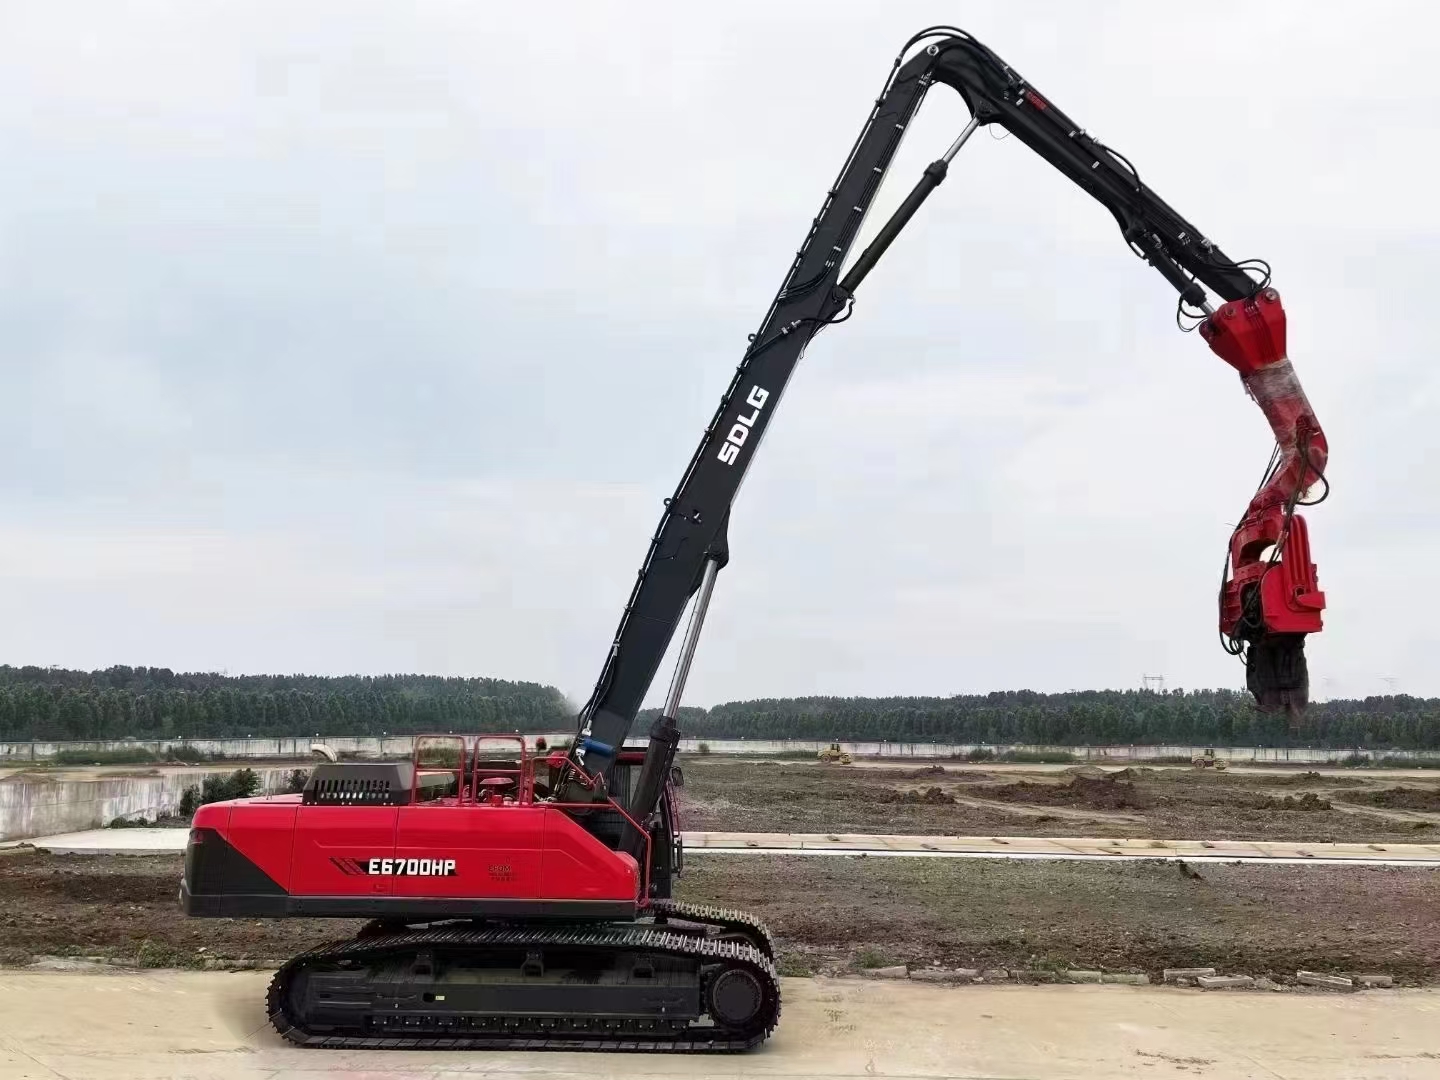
423, 840
500, 916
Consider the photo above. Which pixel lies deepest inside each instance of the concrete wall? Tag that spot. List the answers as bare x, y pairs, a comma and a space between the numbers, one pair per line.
19, 753
39, 805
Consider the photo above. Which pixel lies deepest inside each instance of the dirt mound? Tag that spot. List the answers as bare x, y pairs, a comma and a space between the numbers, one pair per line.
1307, 802
928, 770
1400, 798
1130, 772
1240, 801
931, 796
1106, 793
1312, 777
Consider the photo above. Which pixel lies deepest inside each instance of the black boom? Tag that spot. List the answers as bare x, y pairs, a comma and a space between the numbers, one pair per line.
691, 536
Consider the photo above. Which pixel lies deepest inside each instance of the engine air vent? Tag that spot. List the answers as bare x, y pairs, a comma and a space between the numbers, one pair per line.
358, 784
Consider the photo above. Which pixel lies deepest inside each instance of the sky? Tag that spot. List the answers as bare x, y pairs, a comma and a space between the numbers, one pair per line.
369, 337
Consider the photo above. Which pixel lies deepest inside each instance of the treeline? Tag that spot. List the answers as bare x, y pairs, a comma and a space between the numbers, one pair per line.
145, 703
1223, 717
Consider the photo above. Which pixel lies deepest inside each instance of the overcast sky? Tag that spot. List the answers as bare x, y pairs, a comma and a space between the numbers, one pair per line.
362, 337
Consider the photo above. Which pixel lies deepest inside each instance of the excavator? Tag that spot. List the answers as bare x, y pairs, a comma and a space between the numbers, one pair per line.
517, 897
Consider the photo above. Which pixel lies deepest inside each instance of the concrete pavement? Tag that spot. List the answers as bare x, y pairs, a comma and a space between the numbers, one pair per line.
1064, 848
108, 842
210, 1026
153, 841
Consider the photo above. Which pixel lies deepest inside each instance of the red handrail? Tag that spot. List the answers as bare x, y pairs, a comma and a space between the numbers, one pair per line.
524, 773
526, 793
459, 769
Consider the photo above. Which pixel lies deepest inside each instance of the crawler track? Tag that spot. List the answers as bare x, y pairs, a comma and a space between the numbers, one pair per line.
723, 920
389, 1024
706, 919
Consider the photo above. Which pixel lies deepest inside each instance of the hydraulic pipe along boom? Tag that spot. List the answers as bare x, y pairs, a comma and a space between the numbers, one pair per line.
934, 176
665, 732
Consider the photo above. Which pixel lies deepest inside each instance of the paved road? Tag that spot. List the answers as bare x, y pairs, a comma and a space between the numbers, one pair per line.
148, 1025
149, 841
1064, 848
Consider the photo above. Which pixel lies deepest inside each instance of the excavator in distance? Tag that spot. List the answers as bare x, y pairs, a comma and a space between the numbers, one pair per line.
521, 898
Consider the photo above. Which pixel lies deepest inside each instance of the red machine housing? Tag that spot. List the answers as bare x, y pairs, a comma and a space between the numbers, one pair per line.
481, 837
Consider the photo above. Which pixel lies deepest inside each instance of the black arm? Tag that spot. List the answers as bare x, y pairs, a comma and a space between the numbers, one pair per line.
692, 529
695, 518
995, 93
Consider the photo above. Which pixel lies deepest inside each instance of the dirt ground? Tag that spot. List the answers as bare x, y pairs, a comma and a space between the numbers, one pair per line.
1270, 920
966, 800
846, 912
